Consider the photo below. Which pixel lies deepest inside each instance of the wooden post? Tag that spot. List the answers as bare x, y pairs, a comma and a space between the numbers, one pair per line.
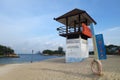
75, 26
66, 25
94, 41
79, 23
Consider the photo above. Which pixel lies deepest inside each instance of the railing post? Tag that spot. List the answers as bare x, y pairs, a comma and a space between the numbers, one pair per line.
79, 23
66, 25
75, 26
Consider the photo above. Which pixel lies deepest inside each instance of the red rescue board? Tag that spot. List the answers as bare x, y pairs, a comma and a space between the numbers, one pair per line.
86, 30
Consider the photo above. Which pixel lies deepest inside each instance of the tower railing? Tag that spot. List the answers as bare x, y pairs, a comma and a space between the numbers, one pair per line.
62, 30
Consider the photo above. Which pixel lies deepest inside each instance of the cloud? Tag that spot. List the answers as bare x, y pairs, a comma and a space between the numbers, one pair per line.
38, 44
28, 24
113, 29
111, 35
30, 33
33, 33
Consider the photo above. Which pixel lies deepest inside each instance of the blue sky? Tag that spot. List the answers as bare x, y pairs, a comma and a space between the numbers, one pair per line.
29, 24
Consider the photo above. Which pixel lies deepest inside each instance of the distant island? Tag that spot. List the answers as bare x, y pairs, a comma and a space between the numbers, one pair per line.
58, 52
7, 52
110, 50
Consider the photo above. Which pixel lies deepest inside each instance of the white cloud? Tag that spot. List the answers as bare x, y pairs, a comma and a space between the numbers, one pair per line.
114, 29
38, 43
29, 33
28, 24
111, 35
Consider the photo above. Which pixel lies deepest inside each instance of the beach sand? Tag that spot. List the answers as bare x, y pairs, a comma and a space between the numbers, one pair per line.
57, 69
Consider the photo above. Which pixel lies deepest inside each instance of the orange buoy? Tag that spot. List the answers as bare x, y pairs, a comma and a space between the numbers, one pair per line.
96, 67
86, 30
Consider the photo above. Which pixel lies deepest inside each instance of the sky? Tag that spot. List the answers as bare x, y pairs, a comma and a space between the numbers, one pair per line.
27, 25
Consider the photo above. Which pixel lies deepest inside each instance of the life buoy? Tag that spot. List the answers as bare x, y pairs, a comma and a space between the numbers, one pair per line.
96, 63
86, 30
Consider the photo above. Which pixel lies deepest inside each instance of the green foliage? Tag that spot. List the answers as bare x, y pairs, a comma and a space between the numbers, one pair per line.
5, 50
110, 50
56, 52
49, 52
60, 49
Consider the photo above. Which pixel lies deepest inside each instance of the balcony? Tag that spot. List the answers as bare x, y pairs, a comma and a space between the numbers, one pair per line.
70, 32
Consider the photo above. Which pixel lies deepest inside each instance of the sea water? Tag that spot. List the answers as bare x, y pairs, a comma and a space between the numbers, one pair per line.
25, 58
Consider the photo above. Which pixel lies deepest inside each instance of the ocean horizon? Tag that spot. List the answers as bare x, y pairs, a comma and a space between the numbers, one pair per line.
25, 58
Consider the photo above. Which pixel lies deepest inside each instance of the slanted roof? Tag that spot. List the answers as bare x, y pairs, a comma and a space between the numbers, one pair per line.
74, 16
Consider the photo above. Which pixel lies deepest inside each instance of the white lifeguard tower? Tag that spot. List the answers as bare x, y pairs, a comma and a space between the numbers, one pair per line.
76, 32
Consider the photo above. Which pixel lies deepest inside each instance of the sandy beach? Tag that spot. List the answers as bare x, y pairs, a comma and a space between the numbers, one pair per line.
57, 69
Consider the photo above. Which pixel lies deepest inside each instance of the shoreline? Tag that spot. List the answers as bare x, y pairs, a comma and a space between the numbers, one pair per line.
57, 69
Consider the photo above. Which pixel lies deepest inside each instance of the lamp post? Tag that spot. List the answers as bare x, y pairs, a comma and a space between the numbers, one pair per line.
32, 56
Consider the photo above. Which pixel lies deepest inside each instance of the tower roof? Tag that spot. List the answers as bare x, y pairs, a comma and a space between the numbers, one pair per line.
75, 15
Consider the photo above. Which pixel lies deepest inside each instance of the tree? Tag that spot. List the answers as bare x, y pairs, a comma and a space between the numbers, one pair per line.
112, 49
5, 50
60, 50
56, 52
49, 52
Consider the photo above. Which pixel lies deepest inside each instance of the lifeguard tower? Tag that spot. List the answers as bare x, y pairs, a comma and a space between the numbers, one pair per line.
76, 32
